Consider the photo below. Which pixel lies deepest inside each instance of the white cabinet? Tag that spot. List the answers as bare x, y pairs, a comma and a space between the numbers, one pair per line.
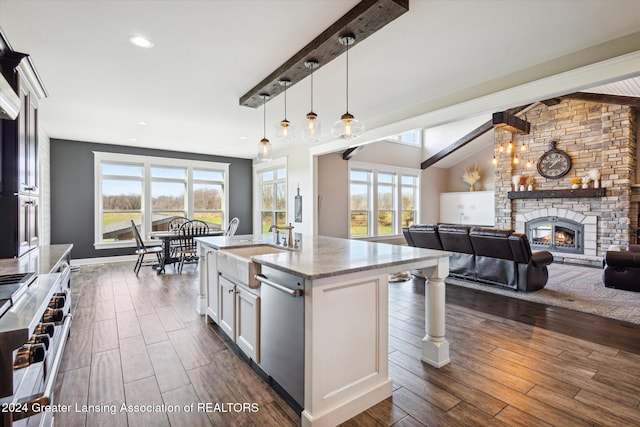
239, 316
473, 207
213, 292
248, 322
227, 318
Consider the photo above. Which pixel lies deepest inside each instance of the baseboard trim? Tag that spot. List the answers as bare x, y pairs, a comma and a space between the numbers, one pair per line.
103, 260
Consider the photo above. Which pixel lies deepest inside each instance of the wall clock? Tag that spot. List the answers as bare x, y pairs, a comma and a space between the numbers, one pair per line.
554, 163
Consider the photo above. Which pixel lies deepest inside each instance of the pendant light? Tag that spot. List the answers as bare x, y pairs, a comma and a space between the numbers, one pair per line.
312, 127
285, 130
264, 146
347, 127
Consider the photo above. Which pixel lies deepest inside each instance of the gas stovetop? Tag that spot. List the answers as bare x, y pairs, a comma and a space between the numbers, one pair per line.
11, 287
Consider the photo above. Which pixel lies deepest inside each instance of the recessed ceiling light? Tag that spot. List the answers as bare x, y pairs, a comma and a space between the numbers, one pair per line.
243, 137
140, 42
142, 123
132, 139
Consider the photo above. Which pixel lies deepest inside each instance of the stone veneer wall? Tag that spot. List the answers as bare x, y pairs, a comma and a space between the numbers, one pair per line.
596, 136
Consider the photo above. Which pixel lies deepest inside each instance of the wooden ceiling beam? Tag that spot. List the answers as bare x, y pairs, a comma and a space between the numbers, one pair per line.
480, 130
350, 152
363, 20
604, 98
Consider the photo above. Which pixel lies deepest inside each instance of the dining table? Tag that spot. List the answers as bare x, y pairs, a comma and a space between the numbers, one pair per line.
167, 236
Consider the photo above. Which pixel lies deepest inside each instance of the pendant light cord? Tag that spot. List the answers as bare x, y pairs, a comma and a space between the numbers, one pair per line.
264, 117
347, 90
285, 100
312, 87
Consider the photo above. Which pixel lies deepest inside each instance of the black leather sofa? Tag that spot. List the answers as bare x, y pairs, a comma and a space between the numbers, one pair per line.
487, 255
622, 269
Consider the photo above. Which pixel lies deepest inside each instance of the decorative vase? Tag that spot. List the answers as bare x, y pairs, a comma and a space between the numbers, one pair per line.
472, 187
515, 179
596, 184
522, 187
585, 186
575, 186
530, 187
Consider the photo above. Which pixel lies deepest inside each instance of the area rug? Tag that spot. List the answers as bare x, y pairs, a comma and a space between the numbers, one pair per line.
576, 288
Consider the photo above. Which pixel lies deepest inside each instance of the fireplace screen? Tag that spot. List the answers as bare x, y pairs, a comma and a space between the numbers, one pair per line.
555, 234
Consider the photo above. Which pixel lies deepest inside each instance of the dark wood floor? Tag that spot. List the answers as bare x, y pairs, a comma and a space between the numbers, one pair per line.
139, 341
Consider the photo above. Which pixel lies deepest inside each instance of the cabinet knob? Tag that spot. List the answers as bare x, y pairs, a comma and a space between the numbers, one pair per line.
57, 301
40, 339
45, 328
29, 354
52, 315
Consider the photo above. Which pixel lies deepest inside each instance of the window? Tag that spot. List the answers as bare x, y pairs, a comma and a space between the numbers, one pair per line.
168, 193
392, 196
386, 203
409, 194
412, 137
360, 203
273, 196
121, 195
152, 190
208, 197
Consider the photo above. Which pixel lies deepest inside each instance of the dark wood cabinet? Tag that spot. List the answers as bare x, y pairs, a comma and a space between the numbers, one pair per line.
20, 170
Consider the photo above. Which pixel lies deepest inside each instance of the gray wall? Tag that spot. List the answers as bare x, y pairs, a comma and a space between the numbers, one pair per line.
72, 192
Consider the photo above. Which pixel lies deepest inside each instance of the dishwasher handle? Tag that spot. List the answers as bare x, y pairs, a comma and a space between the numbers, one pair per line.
293, 292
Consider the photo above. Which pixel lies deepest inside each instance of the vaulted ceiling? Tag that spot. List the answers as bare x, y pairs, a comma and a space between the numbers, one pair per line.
209, 53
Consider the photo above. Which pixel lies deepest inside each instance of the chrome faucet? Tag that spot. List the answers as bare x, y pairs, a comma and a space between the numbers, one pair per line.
287, 241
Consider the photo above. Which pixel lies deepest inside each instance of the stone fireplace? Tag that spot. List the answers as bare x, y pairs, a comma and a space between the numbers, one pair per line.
575, 225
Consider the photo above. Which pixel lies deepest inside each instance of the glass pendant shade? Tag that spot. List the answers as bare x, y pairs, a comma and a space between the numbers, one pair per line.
264, 150
284, 129
312, 126
264, 146
347, 127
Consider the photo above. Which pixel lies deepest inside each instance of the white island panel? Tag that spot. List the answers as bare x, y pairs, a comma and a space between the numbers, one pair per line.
346, 345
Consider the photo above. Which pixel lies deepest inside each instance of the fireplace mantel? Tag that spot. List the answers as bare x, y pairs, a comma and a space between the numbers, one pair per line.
548, 194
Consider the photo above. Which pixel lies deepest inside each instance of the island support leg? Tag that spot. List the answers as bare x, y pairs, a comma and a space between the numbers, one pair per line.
435, 347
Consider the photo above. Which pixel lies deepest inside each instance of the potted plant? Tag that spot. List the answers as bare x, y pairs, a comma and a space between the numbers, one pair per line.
523, 181
575, 182
471, 176
530, 181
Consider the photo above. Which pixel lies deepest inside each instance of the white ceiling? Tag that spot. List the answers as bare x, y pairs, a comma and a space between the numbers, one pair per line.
209, 53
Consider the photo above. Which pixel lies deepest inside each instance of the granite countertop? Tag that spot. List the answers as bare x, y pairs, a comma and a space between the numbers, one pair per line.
321, 256
42, 260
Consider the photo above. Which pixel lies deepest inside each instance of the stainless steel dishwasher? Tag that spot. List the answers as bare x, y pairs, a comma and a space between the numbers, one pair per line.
282, 330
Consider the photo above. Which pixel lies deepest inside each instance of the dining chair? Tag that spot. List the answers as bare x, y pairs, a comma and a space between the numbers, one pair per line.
174, 225
143, 250
176, 222
233, 227
188, 248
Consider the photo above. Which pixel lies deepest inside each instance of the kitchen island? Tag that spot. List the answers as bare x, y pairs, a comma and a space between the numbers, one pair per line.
345, 314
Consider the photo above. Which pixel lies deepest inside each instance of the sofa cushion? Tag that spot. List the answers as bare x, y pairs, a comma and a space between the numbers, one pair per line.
407, 236
491, 242
455, 238
626, 259
425, 236
520, 247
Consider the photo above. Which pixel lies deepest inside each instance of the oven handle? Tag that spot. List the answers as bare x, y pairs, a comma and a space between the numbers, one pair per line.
36, 403
293, 292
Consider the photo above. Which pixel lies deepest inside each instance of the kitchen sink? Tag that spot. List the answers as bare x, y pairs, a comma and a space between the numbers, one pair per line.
236, 264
